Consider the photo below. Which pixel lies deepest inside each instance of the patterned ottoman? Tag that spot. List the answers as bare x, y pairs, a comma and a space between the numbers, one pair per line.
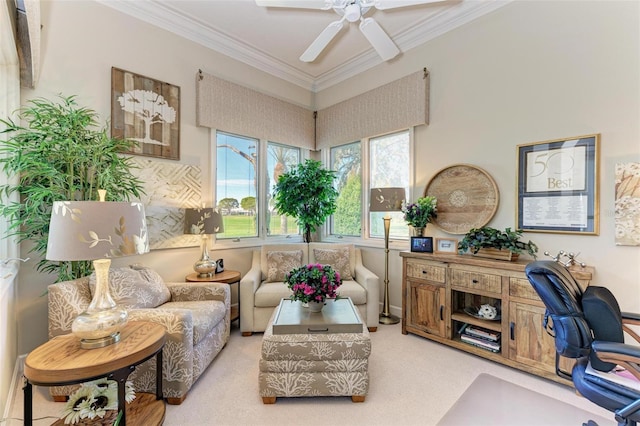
332, 364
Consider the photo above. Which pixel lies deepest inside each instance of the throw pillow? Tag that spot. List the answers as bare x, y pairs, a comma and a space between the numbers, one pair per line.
135, 287
280, 263
338, 259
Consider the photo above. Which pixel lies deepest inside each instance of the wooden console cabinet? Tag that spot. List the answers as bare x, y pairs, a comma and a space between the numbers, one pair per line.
438, 291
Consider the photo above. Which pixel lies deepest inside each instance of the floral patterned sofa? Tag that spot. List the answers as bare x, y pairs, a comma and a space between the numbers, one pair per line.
262, 288
195, 315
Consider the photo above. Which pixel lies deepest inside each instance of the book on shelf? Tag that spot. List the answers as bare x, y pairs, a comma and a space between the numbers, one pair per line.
483, 333
481, 343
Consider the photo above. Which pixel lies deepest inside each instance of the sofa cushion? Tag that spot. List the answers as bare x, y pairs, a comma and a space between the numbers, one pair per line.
280, 263
206, 314
282, 247
338, 259
138, 287
355, 291
270, 294
334, 246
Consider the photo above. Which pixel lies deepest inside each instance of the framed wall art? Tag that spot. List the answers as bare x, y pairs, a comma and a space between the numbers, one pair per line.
558, 185
446, 246
146, 111
627, 207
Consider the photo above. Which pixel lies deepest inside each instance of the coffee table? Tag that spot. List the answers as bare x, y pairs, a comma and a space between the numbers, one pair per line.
317, 359
61, 361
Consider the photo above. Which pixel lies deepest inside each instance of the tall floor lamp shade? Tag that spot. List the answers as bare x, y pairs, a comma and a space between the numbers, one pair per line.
386, 200
98, 231
204, 221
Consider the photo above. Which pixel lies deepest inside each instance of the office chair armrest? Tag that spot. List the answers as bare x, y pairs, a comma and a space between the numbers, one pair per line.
624, 355
631, 318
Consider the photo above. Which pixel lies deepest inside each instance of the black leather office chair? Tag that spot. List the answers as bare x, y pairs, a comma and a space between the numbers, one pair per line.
589, 326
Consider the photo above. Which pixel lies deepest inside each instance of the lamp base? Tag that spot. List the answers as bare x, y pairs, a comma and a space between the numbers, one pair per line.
100, 342
388, 319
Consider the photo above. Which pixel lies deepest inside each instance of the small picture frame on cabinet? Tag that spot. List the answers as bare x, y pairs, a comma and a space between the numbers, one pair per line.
446, 245
422, 244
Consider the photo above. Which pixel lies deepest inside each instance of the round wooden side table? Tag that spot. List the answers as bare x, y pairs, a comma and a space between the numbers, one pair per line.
227, 276
61, 361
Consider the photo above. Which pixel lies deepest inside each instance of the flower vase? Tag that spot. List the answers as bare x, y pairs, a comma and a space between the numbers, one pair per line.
316, 306
417, 231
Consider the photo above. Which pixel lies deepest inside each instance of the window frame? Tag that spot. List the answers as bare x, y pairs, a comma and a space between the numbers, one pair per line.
364, 238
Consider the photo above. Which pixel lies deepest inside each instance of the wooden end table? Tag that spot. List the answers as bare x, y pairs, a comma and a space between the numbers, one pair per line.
61, 361
227, 276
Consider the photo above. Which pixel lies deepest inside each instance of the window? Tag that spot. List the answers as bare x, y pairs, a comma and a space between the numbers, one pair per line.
280, 159
389, 167
236, 185
346, 161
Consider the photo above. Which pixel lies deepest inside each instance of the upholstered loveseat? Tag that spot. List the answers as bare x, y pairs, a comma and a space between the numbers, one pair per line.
195, 316
262, 288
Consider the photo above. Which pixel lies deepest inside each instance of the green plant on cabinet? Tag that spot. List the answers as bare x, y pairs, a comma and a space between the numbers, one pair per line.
487, 237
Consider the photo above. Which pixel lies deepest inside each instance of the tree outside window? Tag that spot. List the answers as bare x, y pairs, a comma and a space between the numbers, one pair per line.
346, 161
280, 159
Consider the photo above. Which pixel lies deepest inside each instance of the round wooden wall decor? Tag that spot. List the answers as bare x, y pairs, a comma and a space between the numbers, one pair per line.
467, 198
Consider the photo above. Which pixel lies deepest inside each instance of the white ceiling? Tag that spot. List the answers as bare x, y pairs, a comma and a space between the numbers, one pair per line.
272, 39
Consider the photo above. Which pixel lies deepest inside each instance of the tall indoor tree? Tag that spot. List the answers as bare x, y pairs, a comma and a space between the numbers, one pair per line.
307, 193
59, 153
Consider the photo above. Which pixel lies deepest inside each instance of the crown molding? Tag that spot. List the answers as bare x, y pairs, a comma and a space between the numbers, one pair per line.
161, 15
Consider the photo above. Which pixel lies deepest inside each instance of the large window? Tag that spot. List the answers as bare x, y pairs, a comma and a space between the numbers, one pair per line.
236, 185
246, 173
388, 165
280, 159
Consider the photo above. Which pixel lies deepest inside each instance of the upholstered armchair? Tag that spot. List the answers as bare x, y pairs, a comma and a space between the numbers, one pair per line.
195, 315
262, 288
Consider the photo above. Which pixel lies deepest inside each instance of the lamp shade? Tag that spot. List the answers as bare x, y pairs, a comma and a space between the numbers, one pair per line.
202, 221
89, 230
386, 199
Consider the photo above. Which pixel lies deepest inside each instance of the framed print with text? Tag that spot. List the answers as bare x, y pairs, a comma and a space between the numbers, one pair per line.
446, 245
558, 185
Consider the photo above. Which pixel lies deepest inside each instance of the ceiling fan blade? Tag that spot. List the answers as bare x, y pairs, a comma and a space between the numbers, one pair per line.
298, 4
392, 4
378, 39
321, 41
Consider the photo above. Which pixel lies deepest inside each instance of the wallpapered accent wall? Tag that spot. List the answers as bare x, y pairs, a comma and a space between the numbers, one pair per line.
169, 189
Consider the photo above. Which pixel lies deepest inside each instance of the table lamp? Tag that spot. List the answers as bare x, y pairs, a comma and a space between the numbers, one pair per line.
98, 231
386, 200
203, 221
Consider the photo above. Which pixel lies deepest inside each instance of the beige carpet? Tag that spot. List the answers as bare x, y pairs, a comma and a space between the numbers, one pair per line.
413, 382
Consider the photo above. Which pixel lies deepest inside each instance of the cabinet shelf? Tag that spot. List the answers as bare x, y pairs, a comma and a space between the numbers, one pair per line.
464, 317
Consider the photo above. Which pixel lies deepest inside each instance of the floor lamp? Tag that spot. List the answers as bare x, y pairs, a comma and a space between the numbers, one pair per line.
386, 200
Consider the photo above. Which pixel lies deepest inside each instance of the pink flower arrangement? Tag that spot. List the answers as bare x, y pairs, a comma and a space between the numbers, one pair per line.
313, 283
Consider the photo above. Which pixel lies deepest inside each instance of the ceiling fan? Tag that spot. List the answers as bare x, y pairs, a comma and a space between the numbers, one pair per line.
352, 11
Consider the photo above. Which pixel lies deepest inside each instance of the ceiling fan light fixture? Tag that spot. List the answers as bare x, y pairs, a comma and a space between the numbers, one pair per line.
352, 12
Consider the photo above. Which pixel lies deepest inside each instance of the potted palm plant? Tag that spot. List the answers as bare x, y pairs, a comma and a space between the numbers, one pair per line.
495, 244
59, 154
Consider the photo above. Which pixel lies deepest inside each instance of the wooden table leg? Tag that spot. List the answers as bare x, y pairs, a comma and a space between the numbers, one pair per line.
268, 399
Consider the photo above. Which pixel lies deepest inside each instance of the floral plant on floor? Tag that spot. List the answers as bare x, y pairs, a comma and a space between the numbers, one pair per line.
96, 400
313, 283
421, 212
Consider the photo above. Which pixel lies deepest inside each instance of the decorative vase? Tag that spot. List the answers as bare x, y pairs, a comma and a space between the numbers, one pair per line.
418, 231
315, 306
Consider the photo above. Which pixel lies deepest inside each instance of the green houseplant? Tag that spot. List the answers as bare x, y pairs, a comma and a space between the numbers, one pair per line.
306, 192
59, 154
491, 238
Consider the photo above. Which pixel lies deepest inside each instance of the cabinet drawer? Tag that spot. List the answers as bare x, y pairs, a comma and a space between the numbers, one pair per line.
476, 280
426, 271
521, 287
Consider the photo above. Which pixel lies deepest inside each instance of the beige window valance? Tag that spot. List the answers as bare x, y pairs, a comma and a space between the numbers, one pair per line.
397, 105
223, 105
